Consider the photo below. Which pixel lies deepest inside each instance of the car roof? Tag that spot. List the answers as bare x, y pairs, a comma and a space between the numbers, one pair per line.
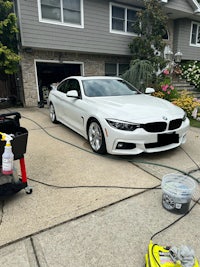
82, 78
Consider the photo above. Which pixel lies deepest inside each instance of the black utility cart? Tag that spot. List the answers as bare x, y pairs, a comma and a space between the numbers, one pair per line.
11, 184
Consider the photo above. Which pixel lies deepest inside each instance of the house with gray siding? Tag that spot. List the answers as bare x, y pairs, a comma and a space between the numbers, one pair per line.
60, 38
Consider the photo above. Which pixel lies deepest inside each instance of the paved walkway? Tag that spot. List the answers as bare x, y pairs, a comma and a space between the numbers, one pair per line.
81, 212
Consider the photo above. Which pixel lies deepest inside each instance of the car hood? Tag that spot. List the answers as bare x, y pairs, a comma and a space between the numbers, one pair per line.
136, 108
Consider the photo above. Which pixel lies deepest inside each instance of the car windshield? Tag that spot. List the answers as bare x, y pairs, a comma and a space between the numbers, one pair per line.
107, 87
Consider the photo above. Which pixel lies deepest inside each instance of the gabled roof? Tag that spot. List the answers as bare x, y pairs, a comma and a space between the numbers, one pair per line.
181, 9
195, 5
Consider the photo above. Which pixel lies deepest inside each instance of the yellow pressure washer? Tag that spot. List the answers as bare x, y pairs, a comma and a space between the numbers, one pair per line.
158, 256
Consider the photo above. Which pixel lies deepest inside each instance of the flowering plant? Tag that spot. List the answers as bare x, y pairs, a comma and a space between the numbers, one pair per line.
166, 90
191, 72
187, 102
166, 72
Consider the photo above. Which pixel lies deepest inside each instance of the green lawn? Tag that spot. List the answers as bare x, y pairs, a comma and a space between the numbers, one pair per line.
194, 123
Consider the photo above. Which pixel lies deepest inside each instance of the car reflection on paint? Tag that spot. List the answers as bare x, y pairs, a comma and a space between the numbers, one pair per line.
115, 117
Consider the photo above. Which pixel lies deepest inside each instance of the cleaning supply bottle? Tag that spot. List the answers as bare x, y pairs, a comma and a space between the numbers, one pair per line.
7, 156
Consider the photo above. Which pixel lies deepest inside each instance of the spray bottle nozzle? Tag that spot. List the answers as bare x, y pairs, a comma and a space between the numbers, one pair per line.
6, 137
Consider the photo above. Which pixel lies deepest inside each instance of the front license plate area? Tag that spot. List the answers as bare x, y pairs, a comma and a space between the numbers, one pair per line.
166, 139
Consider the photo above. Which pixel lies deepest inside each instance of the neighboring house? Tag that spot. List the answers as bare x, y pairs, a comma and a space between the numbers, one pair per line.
60, 38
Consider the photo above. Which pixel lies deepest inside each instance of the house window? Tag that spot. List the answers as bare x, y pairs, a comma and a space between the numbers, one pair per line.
121, 19
67, 12
116, 69
195, 34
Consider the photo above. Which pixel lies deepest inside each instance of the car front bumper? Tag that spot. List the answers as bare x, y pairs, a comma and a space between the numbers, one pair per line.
132, 143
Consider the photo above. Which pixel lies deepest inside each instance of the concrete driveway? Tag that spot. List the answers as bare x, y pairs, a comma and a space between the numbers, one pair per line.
87, 210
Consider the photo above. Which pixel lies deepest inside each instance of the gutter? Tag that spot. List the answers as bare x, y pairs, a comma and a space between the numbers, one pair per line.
197, 11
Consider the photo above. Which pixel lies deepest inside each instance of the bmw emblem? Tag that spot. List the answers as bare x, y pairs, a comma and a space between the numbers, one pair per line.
164, 118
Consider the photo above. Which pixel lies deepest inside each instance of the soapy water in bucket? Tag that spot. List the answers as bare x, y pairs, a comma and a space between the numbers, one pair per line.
177, 192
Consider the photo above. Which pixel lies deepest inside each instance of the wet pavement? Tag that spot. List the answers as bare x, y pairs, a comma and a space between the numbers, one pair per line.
92, 211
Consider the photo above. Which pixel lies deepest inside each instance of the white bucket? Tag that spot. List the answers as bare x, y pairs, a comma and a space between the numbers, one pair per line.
177, 192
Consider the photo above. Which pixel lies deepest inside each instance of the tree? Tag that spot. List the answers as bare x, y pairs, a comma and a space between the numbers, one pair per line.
9, 58
139, 73
150, 27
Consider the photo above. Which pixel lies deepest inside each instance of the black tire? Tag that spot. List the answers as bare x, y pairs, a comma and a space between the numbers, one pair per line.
52, 113
96, 137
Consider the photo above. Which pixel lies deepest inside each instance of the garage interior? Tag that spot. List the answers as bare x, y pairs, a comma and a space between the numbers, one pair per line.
49, 73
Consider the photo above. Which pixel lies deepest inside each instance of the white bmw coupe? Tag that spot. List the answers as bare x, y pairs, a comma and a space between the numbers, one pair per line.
117, 118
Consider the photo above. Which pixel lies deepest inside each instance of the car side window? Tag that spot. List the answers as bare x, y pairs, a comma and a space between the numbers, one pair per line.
61, 87
73, 84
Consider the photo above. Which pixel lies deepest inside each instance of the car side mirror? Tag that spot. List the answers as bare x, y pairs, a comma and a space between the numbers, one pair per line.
72, 93
149, 90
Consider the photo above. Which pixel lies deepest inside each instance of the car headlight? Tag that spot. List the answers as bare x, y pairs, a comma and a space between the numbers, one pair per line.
122, 125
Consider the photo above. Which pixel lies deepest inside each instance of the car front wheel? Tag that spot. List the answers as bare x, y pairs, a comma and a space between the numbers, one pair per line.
96, 137
52, 114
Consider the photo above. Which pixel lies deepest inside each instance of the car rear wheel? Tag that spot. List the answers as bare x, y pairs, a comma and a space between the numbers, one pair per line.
96, 137
52, 114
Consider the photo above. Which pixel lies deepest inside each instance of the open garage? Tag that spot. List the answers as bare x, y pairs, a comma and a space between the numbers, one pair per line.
49, 73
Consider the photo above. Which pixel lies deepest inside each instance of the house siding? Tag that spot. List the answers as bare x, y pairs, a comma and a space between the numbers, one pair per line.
94, 44
180, 5
93, 38
182, 28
